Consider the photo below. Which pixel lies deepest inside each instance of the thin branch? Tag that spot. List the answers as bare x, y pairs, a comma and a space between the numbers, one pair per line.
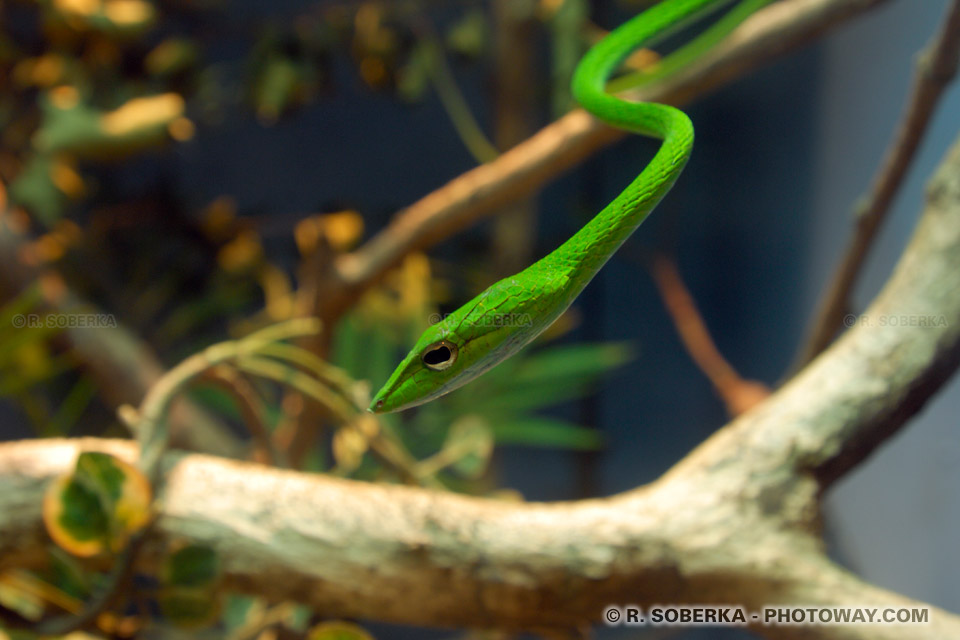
453, 101
107, 594
769, 33
936, 68
151, 418
736, 521
251, 408
387, 449
739, 395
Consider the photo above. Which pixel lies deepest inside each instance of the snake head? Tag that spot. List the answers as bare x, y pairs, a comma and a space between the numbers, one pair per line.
477, 336
434, 366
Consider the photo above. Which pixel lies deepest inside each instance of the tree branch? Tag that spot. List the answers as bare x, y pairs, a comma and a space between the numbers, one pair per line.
739, 395
735, 522
769, 33
936, 68
404, 555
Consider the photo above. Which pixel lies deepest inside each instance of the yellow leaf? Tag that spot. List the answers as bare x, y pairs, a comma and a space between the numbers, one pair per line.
181, 129
97, 507
48, 249
142, 113
338, 630
306, 233
43, 71
170, 56
348, 448
241, 253
82, 8
128, 12
278, 292
343, 229
218, 217
66, 179
64, 97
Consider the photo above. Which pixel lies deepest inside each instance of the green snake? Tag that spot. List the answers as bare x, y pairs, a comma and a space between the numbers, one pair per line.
512, 312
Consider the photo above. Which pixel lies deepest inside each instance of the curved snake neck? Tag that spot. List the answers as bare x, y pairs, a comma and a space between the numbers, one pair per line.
542, 291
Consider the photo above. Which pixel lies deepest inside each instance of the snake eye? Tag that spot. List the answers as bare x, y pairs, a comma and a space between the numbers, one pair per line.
440, 355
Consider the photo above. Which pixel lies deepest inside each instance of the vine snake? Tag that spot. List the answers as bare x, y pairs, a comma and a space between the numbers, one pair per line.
512, 312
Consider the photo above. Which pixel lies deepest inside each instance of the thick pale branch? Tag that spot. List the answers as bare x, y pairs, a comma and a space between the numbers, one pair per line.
517, 173
413, 556
735, 522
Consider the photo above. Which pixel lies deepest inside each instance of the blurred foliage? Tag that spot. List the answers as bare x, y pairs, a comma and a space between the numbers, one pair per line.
189, 594
91, 87
31, 364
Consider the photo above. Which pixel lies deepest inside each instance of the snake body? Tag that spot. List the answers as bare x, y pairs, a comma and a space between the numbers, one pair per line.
512, 312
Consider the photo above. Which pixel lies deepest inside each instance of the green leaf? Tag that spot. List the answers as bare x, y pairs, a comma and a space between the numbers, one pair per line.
67, 574
171, 57
413, 79
365, 350
71, 129
575, 362
215, 399
190, 607
275, 87
83, 515
34, 189
34, 365
99, 472
548, 377
21, 305
546, 432
25, 337
190, 595
192, 566
468, 37
238, 610
297, 618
